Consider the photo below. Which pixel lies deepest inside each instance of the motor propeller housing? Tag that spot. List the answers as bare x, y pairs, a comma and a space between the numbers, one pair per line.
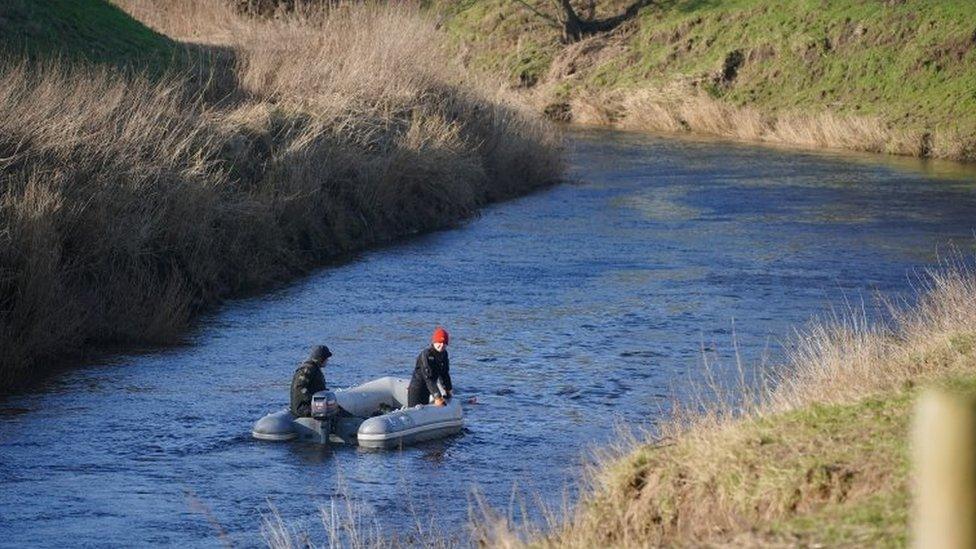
324, 405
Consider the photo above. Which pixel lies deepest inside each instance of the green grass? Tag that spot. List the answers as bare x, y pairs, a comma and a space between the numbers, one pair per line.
880, 520
502, 39
825, 475
804, 469
912, 63
881, 517
835, 488
91, 30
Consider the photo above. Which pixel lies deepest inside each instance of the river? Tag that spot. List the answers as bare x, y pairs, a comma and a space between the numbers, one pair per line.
570, 311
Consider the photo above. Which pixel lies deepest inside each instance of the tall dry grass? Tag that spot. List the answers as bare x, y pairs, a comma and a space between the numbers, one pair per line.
681, 108
354, 525
128, 203
849, 358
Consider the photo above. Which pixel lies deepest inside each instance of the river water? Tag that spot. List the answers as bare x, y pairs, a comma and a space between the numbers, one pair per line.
570, 311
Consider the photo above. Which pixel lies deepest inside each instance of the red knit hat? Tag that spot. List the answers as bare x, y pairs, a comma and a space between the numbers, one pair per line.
440, 336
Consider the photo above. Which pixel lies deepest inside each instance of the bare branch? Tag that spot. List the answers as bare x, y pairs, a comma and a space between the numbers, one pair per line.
548, 18
574, 28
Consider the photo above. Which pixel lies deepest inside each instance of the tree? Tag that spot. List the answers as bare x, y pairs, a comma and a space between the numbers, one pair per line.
575, 28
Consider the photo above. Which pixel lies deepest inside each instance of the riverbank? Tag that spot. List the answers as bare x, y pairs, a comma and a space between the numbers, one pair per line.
818, 455
890, 77
149, 174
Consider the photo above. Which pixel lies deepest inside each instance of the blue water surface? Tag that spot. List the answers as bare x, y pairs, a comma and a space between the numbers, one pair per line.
570, 310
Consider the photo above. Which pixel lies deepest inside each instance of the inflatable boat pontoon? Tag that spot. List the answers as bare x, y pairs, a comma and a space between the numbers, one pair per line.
372, 415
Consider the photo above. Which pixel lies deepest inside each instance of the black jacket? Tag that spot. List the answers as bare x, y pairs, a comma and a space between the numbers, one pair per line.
431, 367
307, 381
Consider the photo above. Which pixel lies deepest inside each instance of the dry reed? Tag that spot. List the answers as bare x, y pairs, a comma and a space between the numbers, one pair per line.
682, 108
848, 358
129, 203
350, 523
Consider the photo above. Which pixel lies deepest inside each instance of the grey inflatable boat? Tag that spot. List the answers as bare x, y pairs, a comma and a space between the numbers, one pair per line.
372, 415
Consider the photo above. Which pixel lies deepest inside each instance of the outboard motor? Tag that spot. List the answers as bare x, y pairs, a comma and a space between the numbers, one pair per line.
318, 427
324, 405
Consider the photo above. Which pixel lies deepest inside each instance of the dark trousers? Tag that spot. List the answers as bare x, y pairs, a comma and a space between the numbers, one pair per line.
417, 393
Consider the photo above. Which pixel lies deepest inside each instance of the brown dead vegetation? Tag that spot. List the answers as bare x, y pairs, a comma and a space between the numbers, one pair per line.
128, 204
681, 108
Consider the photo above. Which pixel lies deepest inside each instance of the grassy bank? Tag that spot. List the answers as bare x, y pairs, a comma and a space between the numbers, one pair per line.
132, 197
817, 456
91, 31
874, 76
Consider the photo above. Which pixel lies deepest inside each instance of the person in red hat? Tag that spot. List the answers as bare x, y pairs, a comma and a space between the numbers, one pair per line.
432, 367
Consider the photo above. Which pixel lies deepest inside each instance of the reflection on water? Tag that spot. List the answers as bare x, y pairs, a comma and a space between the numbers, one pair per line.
661, 204
569, 310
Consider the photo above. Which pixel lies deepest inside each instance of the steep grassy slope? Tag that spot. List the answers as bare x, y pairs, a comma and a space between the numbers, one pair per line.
92, 30
910, 66
825, 474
